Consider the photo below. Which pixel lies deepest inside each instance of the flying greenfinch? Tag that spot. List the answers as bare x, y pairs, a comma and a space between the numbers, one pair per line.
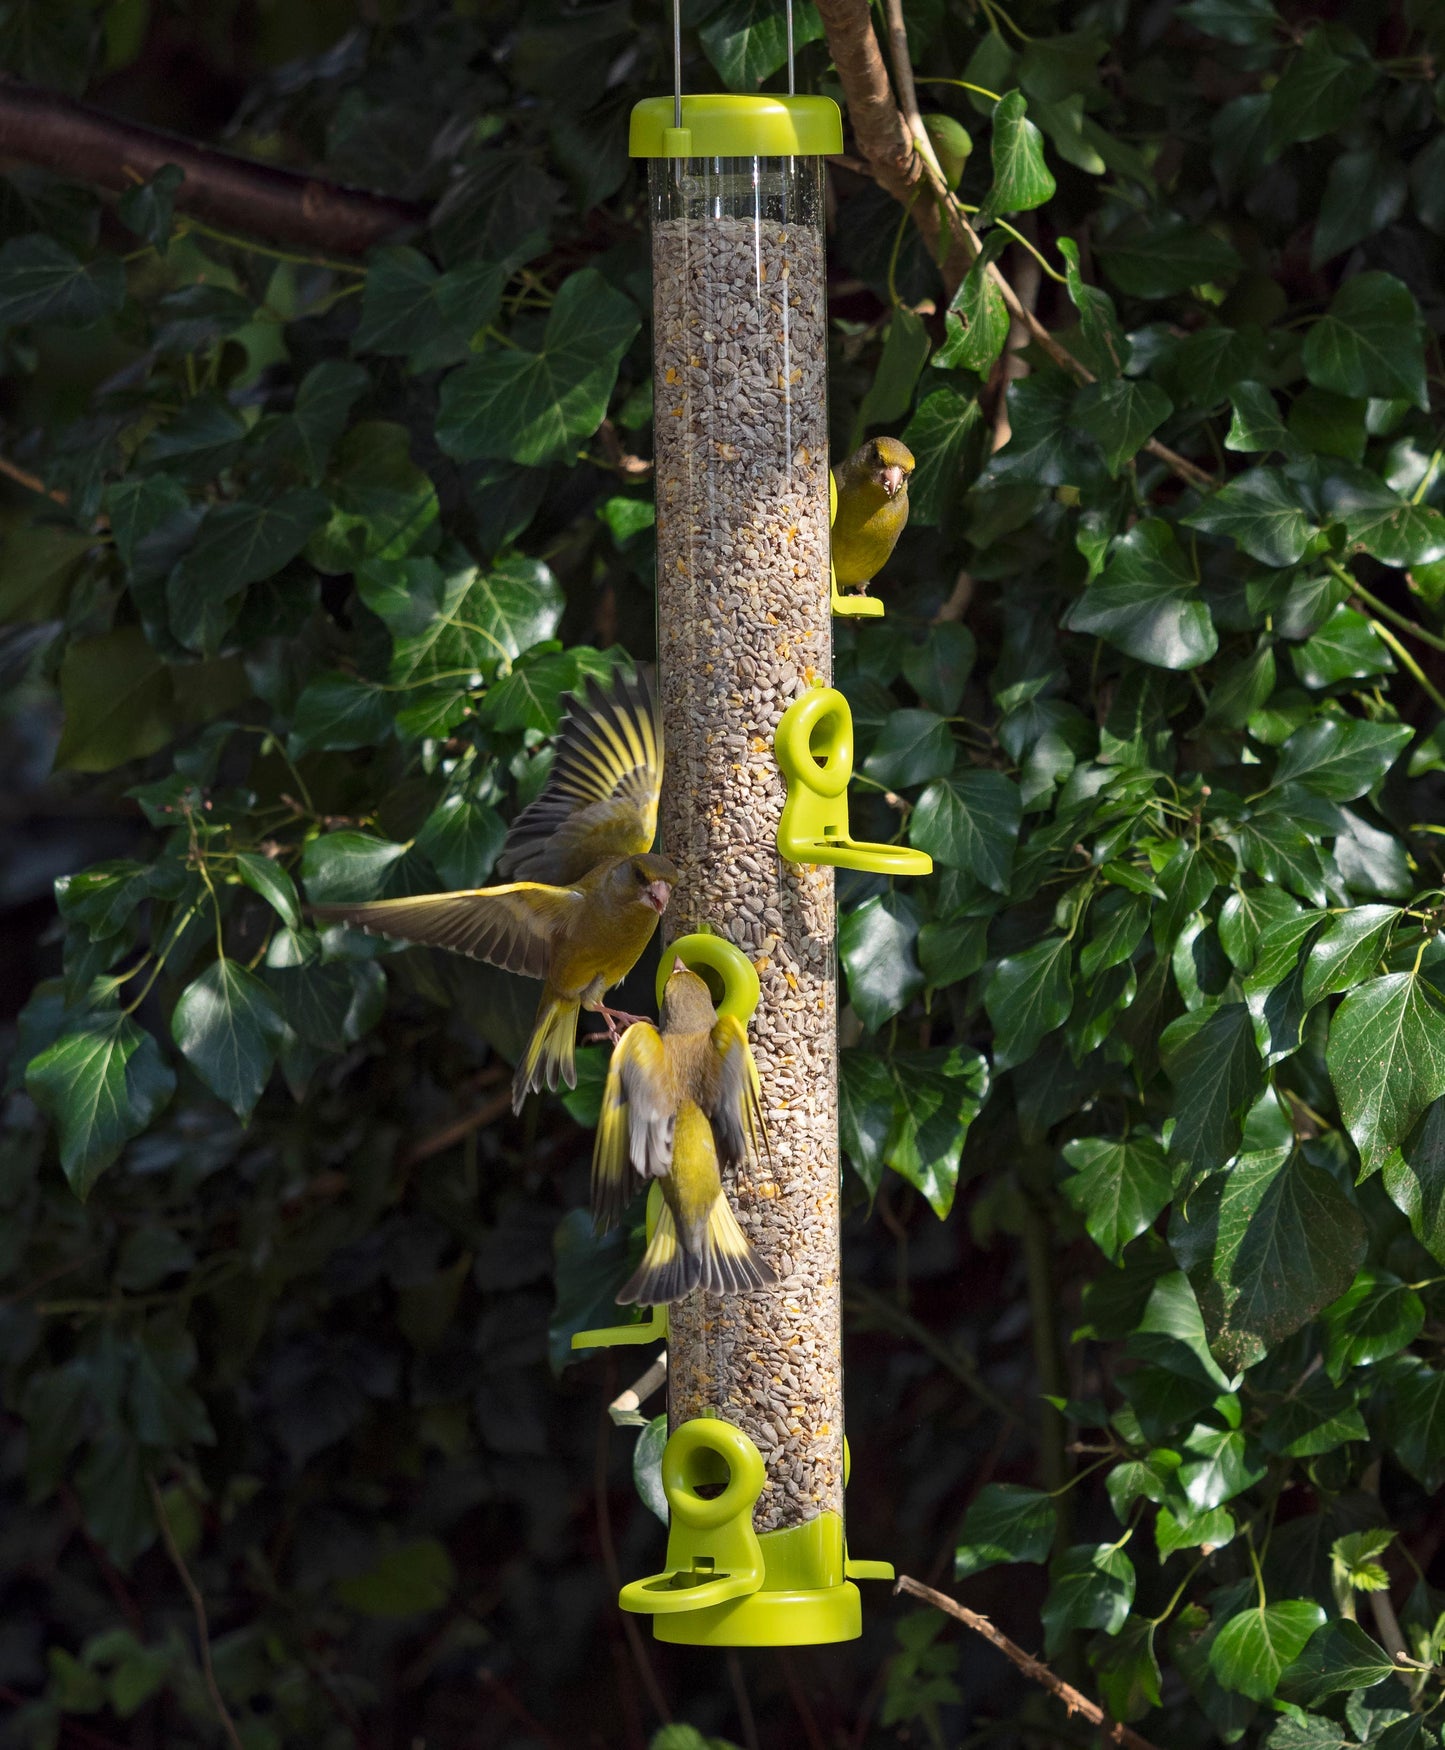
680, 1103
593, 894
872, 509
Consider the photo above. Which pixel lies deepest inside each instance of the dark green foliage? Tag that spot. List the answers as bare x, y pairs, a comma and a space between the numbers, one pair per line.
1143, 1091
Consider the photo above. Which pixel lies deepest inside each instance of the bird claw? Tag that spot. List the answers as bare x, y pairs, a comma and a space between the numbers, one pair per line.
617, 1020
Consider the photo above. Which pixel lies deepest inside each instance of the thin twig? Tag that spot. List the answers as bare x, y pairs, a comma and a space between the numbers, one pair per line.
1111, 1731
31, 482
625, 1406
614, 1576
801, 1706
744, 1701
198, 1607
517, 1708
456, 1130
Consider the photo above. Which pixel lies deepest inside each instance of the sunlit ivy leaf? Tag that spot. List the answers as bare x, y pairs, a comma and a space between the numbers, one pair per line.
1098, 320
1317, 1418
1369, 341
747, 39
977, 320
1340, 758
1045, 446
1021, 178
530, 697
266, 877
1212, 1060
1256, 425
342, 866
1253, 1648
1376, 1317
101, 1083
1122, 415
1118, 1187
1339, 1656
1147, 603
43, 281
1414, 1178
533, 407
970, 821
876, 945
1264, 512
1185, 1530
1006, 1522
1119, 920
1345, 647
1399, 533
1246, 915
461, 839
228, 1028
382, 505
1349, 950
1090, 1586
943, 435
1029, 995
1386, 1059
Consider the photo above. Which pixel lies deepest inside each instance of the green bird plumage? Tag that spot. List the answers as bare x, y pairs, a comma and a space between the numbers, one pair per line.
681, 1102
872, 509
594, 893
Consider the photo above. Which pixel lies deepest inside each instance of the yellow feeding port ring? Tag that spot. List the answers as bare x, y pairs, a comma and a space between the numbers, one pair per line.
730, 975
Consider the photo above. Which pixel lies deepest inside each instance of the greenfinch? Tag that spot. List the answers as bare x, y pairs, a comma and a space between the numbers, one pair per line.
872, 509
681, 1103
593, 895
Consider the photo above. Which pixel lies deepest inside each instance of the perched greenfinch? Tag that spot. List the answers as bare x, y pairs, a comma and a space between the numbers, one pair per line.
594, 893
680, 1103
872, 509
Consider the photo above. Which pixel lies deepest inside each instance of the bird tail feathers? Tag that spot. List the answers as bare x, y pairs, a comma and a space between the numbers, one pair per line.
726, 1265
548, 1058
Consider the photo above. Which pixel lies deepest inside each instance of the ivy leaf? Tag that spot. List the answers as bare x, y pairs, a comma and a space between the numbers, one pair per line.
344, 866
1365, 191
1254, 1647
43, 281
1029, 995
147, 210
1021, 178
914, 747
1377, 1316
1386, 1058
461, 841
978, 319
939, 667
1415, 1417
1098, 320
910, 1111
531, 695
1263, 512
1398, 533
942, 436
237, 544
266, 877
1120, 920
877, 946
382, 505
118, 701
1118, 1187
1147, 603
1267, 1245
407, 306
338, 711
1256, 426
1090, 1586
747, 39
1321, 88
1159, 258
533, 407
228, 1028
1414, 1179
1349, 950
408, 1580
101, 1083
1339, 1656
1005, 1523
1340, 758
1122, 414
1369, 341
970, 821
905, 352
1345, 647
1212, 1059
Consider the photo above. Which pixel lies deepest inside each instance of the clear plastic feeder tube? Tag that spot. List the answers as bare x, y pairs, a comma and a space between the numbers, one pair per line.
744, 628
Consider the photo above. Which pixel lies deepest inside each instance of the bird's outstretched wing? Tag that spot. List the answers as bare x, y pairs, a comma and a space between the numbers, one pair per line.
512, 927
635, 1126
600, 798
737, 1116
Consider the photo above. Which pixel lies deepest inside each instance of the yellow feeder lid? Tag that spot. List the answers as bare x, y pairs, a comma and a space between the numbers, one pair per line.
724, 125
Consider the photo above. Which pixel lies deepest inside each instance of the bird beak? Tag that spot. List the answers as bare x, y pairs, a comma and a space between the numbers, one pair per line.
893, 480
657, 894
678, 964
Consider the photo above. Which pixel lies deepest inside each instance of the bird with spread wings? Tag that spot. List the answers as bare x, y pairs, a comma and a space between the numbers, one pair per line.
591, 891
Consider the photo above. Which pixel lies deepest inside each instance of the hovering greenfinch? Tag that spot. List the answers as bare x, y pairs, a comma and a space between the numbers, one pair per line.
872, 509
593, 894
681, 1103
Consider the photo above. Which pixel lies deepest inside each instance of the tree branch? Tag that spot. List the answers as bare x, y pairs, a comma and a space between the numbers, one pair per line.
55, 133
900, 163
198, 1609
1110, 1731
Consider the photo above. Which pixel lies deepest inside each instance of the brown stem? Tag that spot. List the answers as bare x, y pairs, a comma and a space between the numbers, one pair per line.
899, 164
455, 1131
1110, 1731
801, 1707
198, 1608
614, 1576
55, 133
517, 1708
